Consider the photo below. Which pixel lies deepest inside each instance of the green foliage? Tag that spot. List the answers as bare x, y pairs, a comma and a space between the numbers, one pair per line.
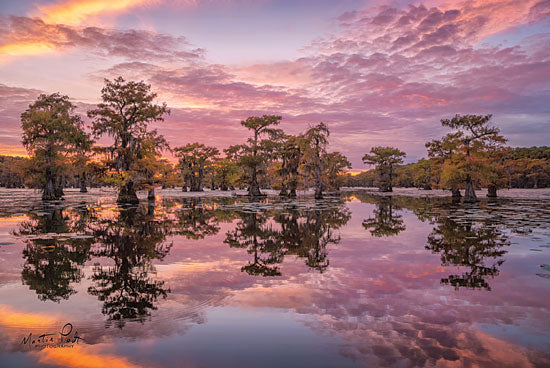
12, 171
384, 158
335, 164
124, 115
314, 144
62, 153
195, 160
52, 135
255, 155
468, 155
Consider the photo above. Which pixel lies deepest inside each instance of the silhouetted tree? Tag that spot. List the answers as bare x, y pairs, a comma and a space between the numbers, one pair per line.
314, 147
126, 111
253, 155
195, 160
335, 164
291, 155
384, 158
51, 134
475, 147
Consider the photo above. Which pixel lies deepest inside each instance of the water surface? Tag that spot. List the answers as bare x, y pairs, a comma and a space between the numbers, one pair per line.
351, 281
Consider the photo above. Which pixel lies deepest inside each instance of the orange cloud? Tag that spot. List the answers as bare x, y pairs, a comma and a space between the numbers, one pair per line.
75, 12
26, 48
10, 318
13, 151
82, 357
493, 16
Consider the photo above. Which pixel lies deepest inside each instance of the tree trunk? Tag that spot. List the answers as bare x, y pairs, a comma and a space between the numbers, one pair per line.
283, 192
49, 190
318, 182
59, 189
469, 193
200, 178
254, 188
390, 186
127, 194
83, 188
385, 180
151, 194
151, 209
456, 193
292, 190
492, 191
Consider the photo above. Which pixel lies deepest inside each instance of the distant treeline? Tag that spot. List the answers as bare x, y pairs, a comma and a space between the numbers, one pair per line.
524, 167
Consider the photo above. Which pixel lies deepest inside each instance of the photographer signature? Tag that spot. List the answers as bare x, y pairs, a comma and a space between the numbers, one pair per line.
64, 338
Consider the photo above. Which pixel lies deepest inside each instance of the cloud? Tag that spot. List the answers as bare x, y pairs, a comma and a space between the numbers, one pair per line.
75, 12
82, 357
24, 36
13, 101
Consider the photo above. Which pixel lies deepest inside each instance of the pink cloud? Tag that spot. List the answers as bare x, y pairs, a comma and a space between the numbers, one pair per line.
19, 32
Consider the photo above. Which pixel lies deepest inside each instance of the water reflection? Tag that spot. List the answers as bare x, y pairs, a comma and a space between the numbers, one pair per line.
477, 246
54, 254
270, 236
131, 241
59, 241
196, 219
385, 222
380, 283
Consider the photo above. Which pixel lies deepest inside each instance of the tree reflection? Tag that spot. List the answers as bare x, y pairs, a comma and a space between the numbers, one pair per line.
272, 235
55, 251
196, 219
131, 241
258, 238
385, 222
478, 246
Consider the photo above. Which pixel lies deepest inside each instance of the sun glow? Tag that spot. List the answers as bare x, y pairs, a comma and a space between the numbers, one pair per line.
83, 357
26, 48
11, 318
75, 12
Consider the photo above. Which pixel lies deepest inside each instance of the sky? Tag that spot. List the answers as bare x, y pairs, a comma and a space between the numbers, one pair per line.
376, 72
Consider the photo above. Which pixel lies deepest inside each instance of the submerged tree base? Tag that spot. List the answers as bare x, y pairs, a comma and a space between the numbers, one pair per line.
127, 194
127, 198
50, 197
456, 193
470, 194
492, 191
50, 193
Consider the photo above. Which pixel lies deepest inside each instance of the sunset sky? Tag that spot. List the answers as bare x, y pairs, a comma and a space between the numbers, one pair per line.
377, 72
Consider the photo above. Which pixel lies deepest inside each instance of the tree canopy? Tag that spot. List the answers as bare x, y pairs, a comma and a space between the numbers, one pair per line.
124, 115
52, 133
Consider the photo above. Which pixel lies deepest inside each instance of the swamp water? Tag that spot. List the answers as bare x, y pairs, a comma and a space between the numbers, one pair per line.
351, 281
